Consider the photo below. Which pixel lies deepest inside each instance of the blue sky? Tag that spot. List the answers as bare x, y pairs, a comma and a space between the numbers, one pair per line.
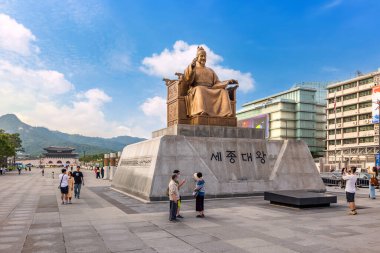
78, 66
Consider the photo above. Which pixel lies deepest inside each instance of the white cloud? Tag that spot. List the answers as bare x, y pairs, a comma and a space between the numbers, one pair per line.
155, 107
15, 37
42, 82
44, 97
166, 63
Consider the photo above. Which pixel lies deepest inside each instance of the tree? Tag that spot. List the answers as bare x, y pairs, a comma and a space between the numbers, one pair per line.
9, 145
92, 158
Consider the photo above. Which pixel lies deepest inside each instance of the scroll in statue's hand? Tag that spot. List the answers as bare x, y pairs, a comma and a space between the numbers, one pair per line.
233, 81
194, 62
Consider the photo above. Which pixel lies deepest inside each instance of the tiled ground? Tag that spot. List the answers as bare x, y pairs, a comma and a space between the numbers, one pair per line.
32, 220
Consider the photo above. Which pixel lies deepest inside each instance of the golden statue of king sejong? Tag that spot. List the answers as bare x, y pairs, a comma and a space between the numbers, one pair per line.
207, 95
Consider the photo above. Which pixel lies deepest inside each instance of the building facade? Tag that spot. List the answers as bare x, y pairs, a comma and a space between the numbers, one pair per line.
59, 156
352, 138
298, 113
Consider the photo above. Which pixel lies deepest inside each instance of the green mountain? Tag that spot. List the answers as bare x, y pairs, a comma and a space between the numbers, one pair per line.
34, 139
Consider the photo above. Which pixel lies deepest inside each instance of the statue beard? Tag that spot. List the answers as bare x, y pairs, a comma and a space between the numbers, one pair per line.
202, 63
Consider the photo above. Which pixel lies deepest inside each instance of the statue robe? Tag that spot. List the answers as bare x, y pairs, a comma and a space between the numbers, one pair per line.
207, 94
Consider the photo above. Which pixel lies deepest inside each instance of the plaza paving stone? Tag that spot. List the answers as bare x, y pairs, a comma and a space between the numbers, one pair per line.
33, 220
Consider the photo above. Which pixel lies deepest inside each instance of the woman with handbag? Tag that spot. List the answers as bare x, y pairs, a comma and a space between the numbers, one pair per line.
199, 193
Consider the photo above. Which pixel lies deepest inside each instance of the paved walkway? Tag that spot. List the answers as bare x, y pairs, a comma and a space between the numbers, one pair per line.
32, 220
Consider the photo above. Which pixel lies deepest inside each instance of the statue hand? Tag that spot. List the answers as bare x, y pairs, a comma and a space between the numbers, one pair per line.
233, 81
194, 62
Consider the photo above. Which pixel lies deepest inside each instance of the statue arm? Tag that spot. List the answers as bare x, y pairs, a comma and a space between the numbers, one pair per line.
222, 84
189, 74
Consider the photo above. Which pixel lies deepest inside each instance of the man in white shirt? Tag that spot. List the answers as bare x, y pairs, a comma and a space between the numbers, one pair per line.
351, 189
173, 197
64, 186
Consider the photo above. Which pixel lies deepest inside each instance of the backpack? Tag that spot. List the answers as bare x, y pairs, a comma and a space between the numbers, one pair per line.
374, 181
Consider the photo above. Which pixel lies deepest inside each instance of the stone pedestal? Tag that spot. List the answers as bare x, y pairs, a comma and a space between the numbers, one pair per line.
237, 166
112, 165
106, 166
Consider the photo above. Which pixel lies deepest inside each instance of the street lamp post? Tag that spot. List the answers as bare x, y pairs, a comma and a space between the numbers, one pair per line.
378, 122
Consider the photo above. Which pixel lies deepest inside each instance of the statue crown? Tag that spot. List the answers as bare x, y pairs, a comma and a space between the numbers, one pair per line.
200, 49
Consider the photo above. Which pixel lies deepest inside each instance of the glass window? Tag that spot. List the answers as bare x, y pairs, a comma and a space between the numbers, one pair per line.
366, 128
349, 141
349, 119
338, 99
350, 96
365, 81
332, 132
349, 130
349, 85
365, 105
332, 121
349, 108
365, 93
366, 139
331, 142
331, 111
365, 116
333, 90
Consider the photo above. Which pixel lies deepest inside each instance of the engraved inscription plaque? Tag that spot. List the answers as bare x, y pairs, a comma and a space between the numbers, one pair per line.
138, 161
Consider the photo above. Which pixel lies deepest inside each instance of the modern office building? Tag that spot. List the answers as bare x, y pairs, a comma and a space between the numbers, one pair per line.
298, 113
355, 134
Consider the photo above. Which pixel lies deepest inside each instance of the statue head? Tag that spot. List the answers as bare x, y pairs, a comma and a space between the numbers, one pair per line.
201, 56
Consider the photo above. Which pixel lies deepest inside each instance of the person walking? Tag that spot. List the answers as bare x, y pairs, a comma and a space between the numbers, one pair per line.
63, 185
350, 189
97, 170
71, 187
373, 183
179, 185
43, 172
199, 193
102, 172
78, 182
173, 197
342, 181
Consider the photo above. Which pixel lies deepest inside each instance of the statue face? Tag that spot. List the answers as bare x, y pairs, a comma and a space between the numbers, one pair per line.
202, 59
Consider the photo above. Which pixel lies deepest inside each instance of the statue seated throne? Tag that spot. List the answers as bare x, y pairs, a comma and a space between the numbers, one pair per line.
197, 97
